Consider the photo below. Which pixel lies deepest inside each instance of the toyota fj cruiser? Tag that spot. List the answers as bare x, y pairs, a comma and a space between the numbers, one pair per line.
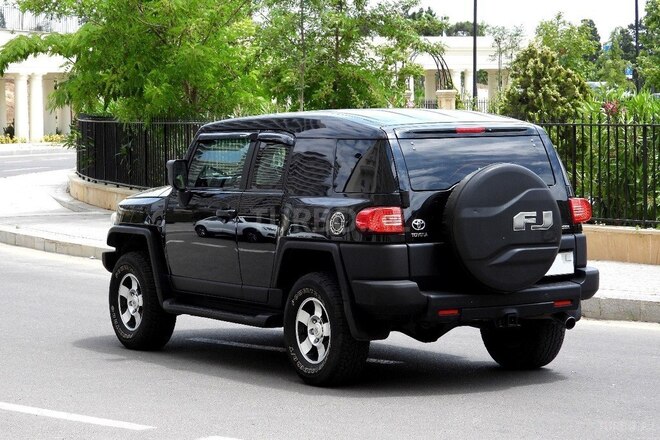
342, 226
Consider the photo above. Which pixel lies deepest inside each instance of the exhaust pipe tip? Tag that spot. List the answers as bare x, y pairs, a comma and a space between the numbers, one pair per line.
566, 320
569, 322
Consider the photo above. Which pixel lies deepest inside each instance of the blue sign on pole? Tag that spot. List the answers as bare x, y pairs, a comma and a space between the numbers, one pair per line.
629, 72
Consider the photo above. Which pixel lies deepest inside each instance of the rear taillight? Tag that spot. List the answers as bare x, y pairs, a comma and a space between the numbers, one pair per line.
380, 220
580, 210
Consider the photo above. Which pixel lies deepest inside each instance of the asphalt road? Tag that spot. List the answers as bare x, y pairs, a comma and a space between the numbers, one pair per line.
16, 162
63, 374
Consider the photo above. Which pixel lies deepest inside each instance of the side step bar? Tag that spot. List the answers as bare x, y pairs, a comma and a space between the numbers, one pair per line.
264, 319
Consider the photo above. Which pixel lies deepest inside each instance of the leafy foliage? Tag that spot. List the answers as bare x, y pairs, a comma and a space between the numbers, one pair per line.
427, 23
338, 53
143, 59
541, 89
611, 65
466, 29
573, 45
506, 43
649, 59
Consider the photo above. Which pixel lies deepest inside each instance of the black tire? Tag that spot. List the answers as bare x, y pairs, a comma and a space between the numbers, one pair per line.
532, 345
201, 231
139, 321
336, 358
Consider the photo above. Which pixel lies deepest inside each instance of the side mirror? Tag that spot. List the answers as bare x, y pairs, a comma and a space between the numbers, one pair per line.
177, 174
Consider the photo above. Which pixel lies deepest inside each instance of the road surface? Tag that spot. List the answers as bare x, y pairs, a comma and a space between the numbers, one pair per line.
63, 374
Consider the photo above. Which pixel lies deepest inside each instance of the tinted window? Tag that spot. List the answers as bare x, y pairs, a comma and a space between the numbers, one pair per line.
218, 163
310, 172
435, 164
363, 166
269, 167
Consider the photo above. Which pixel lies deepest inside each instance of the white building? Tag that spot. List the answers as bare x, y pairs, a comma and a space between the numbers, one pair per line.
458, 56
32, 80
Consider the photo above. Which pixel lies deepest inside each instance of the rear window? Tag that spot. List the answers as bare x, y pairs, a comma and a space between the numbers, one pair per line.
436, 164
363, 166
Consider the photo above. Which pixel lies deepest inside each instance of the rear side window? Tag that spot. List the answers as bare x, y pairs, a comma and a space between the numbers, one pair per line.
363, 166
437, 164
269, 167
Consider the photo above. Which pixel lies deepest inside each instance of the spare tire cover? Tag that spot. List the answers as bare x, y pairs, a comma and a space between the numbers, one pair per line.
504, 225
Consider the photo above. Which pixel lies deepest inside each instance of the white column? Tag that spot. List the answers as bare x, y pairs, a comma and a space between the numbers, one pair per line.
36, 107
456, 79
492, 84
64, 122
22, 116
50, 116
3, 105
468, 82
429, 85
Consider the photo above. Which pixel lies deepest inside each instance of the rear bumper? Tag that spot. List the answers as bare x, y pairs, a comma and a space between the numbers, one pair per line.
402, 299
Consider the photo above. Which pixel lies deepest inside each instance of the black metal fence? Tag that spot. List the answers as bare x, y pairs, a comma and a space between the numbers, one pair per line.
131, 154
464, 103
615, 165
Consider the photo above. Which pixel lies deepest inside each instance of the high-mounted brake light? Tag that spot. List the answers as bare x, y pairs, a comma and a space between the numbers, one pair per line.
380, 220
580, 210
470, 129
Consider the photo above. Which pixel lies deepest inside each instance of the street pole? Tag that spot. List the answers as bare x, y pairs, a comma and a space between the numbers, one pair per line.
474, 57
635, 71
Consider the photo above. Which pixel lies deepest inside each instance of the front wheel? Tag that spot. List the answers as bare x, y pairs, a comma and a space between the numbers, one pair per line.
532, 345
317, 338
139, 321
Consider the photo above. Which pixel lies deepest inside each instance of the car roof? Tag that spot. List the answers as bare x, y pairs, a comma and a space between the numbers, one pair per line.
355, 123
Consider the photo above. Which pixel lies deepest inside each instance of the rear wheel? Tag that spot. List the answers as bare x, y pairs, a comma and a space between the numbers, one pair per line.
139, 321
317, 338
532, 345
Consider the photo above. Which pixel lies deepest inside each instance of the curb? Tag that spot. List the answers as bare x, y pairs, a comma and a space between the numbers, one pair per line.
620, 309
602, 308
40, 243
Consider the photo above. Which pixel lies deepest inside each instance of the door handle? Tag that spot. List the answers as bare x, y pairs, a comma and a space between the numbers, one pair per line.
226, 213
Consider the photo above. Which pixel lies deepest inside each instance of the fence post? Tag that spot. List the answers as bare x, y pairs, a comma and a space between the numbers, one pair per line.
146, 155
645, 174
574, 156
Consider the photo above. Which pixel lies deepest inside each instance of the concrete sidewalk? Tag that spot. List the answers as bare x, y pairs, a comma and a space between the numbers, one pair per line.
37, 212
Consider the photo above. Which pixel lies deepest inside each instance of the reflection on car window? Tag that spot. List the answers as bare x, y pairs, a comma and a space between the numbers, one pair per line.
363, 166
269, 167
218, 163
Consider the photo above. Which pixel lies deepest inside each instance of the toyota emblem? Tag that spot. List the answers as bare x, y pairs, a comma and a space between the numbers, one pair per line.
418, 224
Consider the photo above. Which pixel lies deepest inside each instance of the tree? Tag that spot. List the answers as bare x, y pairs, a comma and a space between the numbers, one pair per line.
139, 59
427, 23
590, 29
465, 28
626, 38
541, 88
573, 45
338, 53
506, 43
649, 59
611, 65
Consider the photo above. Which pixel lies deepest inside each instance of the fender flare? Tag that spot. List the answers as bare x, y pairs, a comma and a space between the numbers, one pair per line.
118, 235
359, 330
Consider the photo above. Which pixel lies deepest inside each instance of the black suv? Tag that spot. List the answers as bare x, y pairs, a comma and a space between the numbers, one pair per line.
342, 226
